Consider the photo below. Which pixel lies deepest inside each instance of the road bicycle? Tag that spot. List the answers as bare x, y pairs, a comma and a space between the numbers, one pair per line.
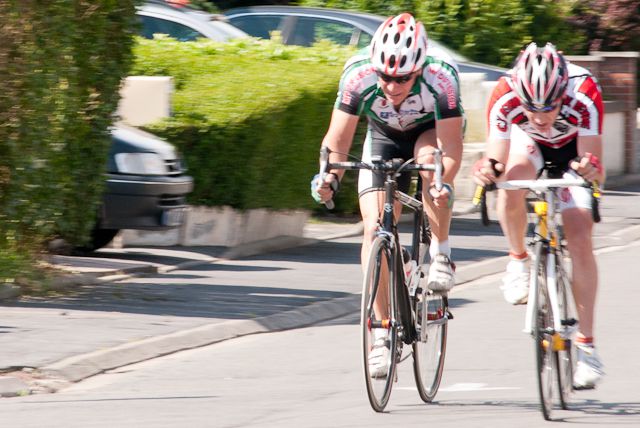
411, 314
551, 314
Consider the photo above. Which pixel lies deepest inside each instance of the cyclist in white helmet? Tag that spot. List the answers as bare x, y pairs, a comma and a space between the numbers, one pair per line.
409, 93
548, 110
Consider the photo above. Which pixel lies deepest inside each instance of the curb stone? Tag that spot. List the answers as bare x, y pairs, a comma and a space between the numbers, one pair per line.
9, 291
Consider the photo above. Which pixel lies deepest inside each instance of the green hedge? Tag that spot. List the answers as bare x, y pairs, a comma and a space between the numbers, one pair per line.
61, 64
249, 117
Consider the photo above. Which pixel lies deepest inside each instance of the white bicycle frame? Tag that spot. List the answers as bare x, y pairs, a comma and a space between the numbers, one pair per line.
549, 229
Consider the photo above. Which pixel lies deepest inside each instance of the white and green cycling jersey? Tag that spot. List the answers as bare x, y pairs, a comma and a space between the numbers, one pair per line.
434, 96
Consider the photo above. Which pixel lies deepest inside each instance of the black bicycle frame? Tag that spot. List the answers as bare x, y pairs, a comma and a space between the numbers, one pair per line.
408, 332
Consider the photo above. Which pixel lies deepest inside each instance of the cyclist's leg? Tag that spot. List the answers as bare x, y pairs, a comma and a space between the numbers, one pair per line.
371, 204
370, 190
578, 227
441, 277
524, 162
439, 218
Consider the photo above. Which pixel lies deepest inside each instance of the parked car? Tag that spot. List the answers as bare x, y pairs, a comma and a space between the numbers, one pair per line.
306, 25
146, 186
183, 23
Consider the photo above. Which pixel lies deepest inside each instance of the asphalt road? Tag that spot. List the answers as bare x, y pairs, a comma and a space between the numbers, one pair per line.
311, 377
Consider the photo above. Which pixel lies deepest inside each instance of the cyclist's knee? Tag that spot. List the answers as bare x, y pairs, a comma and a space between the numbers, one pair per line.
512, 200
370, 228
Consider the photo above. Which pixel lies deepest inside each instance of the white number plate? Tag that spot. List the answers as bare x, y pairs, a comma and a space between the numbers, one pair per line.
173, 217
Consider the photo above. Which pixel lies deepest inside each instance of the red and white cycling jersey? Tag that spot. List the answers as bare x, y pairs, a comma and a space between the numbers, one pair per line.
581, 114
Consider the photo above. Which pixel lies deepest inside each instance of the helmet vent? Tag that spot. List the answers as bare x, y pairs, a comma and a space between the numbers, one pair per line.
399, 46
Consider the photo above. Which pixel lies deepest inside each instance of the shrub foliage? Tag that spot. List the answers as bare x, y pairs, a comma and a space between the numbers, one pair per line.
249, 116
61, 64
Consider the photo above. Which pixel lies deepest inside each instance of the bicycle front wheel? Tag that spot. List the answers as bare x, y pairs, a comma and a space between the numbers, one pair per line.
431, 343
543, 331
380, 342
563, 353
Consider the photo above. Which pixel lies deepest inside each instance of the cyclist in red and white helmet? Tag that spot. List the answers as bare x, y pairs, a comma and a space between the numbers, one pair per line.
409, 94
540, 77
548, 113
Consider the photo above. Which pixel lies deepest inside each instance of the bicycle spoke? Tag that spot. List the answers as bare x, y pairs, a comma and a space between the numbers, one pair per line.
380, 342
543, 332
430, 346
563, 354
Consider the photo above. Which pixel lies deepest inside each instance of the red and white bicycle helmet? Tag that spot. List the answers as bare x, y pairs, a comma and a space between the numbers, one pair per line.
399, 45
540, 76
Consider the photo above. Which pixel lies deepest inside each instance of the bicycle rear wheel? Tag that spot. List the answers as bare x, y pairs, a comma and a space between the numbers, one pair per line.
430, 345
543, 331
373, 327
563, 354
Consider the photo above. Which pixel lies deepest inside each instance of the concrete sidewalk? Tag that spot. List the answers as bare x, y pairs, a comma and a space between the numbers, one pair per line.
48, 343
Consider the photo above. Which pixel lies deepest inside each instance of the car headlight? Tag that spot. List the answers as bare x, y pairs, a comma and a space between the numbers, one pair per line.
140, 163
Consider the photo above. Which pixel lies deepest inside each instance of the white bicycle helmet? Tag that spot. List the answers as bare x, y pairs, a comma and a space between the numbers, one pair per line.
540, 77
399, 45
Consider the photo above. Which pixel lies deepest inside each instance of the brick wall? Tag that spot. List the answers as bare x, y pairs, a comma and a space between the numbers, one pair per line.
618, 76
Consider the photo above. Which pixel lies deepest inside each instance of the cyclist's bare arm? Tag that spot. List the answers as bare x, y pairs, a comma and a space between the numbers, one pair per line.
449, 135
338, 139
589, 167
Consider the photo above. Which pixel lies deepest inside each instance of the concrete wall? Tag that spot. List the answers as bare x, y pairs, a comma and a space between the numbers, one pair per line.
145, 99
613, 141
222, 226
617, 74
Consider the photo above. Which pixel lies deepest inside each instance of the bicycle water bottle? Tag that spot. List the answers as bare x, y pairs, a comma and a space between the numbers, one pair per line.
412, 272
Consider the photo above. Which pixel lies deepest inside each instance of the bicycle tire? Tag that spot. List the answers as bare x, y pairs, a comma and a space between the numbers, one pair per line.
542, 331
564, 358
378, 387
430, 346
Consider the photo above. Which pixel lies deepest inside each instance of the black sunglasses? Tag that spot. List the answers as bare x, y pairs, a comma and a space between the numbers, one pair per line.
544, 109
397, 79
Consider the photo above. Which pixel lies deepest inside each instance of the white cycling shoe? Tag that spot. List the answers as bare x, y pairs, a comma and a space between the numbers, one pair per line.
379, 358
515, 284
440, 277
589, 368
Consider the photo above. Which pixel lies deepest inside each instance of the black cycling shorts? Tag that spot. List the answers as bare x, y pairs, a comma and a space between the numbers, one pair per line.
389, 144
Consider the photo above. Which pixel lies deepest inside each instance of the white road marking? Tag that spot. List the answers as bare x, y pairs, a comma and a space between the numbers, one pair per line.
464, 387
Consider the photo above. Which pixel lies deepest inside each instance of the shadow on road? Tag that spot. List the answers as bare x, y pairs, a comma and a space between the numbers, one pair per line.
216, 301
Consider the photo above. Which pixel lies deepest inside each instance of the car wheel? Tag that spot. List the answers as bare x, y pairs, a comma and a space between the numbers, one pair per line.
99, 238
